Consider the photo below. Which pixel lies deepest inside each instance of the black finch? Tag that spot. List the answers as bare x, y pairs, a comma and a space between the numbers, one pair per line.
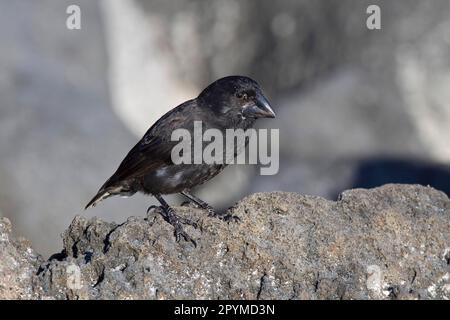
233, 102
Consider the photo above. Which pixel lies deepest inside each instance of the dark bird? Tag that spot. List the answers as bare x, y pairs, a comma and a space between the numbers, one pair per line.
233, 102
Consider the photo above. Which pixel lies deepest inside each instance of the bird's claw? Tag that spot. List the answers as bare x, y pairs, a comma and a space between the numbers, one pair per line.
224, 216
211, 211
176, 221
205, 206
230, 218
172, 212
188, 222
189, 204
153, 207
180, 233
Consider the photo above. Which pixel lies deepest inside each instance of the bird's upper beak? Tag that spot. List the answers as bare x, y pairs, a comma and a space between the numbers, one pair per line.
260, 108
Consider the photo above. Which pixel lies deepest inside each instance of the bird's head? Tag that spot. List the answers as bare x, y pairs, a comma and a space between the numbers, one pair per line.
236, 97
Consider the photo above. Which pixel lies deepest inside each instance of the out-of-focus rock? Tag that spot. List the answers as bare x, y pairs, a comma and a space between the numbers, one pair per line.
18, 265
386, 243
388, 103
59, 138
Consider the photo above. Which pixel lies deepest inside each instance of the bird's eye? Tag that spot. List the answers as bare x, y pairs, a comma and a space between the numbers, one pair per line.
242, 95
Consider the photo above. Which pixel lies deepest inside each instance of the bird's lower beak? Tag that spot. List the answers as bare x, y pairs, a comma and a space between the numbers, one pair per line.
259, 109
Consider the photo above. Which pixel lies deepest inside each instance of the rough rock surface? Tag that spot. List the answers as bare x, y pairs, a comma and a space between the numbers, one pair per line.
391, 242
18, 265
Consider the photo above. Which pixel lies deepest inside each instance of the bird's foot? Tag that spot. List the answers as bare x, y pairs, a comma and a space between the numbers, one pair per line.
227, 217
176, 221
189, 204
153, 207
222, 216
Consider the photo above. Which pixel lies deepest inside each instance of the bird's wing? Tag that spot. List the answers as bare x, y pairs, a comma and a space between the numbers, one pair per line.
153, 151
149, 154
143, 158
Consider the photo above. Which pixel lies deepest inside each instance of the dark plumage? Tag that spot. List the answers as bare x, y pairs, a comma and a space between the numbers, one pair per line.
229, 103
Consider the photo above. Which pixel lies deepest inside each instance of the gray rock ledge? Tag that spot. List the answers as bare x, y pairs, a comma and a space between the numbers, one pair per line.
391, 242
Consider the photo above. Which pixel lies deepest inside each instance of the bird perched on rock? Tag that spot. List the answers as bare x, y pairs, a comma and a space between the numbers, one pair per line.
233, 102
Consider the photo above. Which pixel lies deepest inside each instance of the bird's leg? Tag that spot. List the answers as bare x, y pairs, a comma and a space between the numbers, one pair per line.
169, 215
202, 204
163, 212
207, 207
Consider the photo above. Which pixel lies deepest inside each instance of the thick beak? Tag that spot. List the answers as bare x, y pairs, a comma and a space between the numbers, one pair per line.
259, 109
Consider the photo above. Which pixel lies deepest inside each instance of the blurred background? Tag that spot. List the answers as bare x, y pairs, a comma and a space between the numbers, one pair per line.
355, 107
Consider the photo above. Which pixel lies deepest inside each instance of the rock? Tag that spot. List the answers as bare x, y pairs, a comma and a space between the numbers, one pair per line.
390, 242
18, 265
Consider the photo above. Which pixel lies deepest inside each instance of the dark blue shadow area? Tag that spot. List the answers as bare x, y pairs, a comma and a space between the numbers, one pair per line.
376, 172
